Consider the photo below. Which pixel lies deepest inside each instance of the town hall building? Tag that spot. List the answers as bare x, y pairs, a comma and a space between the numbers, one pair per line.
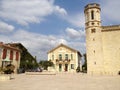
64, 58
102, 43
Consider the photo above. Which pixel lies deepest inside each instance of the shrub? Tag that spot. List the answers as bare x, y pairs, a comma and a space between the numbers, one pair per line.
78, 69
9, 69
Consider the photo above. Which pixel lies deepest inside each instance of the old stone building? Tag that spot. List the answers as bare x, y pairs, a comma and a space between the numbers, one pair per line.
102, 43
64, 58
9, 55
27, 61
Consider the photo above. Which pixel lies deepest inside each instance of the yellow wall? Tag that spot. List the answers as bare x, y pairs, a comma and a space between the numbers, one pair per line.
102, 46
111, 51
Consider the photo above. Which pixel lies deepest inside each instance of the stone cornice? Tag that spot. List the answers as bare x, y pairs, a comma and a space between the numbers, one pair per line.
111, 28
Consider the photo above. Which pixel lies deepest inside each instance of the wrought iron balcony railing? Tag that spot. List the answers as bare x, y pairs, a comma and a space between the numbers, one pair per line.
63, 60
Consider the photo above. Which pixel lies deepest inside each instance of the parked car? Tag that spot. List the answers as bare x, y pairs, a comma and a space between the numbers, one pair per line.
34, 70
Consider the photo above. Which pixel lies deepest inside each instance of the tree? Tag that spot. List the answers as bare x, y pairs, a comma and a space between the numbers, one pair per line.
9, 69
84, 66
28, 65
27, 61
46, 64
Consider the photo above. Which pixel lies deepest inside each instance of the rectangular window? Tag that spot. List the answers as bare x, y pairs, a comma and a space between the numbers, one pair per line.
60, 56
4, 53
52, 57
66, 56
17, 56
72, 66
60, 67
93, 31
71, 56
11, 55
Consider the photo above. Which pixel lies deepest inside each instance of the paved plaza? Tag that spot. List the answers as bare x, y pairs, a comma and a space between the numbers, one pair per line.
63, 81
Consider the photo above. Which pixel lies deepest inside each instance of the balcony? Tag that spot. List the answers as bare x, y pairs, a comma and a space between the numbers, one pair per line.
63, 61
67, 60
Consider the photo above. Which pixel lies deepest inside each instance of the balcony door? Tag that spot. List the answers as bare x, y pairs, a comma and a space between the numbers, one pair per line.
66, 67
60, 67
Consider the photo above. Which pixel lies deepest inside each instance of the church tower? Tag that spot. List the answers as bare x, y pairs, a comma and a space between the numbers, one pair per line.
93, 39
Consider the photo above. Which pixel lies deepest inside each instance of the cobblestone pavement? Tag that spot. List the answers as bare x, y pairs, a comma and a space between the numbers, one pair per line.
63, 81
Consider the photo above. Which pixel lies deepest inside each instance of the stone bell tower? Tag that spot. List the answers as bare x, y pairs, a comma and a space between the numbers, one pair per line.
93, 39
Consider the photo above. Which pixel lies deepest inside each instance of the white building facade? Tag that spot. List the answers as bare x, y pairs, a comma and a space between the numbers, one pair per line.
64, 58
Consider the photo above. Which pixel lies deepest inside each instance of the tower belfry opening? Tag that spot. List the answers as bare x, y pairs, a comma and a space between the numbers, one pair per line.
92, 15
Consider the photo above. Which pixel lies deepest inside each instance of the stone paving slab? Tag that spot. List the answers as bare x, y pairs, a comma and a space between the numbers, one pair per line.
40, 73
63, 81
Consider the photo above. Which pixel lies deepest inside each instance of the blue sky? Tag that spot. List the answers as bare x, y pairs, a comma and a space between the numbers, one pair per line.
41, 25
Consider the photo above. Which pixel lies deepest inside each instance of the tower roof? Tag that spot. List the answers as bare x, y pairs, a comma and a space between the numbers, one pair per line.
92, 5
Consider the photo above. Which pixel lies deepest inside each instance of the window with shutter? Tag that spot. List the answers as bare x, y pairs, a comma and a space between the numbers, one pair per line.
17, 55
11, 55
4, 53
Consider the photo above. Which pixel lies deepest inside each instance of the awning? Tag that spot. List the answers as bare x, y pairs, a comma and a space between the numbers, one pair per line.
6, 60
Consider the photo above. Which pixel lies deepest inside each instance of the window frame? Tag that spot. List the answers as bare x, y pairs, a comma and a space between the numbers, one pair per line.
60, 56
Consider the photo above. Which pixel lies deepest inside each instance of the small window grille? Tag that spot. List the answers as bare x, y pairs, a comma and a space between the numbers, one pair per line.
93, 30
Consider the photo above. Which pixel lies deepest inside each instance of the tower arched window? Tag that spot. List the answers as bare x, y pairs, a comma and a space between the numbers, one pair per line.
87, 16
92, 14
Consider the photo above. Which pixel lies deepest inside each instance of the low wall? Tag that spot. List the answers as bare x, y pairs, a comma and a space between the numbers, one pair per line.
4, 77
40, 73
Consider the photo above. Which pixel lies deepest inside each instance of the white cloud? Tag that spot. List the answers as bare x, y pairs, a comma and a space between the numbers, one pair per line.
76, 20
80, 46
75, 34
38, 44
110, 11
5, 28
75, 39
59, 10
28, 11
72, 33
63, 41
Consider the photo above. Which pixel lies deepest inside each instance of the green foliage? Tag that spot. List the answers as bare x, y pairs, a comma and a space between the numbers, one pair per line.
28, 65
9, 69
46, 64
27, 61
78, 69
